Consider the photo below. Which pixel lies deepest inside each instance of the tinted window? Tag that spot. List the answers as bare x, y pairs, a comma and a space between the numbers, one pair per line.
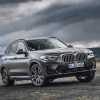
21, 46
12, 49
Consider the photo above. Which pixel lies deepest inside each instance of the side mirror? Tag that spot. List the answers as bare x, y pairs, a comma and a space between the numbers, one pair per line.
20, 51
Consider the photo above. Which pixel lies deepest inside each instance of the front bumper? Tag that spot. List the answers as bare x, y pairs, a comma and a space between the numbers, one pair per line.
59, 69
69, 74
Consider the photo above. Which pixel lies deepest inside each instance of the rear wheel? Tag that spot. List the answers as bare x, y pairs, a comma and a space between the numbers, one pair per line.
37, 75
5, 78
86, 78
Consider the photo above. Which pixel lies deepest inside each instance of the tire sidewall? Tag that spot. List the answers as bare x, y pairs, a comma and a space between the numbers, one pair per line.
7, 82
44, 80
89, 77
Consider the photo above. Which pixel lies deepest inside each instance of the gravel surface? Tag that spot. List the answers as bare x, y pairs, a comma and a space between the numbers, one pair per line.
61, 89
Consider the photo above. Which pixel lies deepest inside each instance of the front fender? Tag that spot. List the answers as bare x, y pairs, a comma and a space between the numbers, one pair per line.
41, 63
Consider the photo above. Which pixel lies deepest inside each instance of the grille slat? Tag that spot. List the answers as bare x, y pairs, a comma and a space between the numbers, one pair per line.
81, 57
68, 58
71, 57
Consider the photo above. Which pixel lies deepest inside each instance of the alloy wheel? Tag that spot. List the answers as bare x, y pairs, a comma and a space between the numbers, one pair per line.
4, 76
37, 76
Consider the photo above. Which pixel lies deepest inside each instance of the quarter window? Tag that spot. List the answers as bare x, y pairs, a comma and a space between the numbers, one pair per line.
7, 51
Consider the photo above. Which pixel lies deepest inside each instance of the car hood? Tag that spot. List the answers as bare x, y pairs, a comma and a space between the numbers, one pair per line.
63, 50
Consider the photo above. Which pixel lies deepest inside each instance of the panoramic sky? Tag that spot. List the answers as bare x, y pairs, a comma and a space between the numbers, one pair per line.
75, 22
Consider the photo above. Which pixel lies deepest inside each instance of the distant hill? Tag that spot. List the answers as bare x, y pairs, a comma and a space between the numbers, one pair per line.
96, 51
0, 55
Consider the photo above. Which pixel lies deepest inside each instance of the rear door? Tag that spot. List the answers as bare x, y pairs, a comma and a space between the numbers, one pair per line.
10, 57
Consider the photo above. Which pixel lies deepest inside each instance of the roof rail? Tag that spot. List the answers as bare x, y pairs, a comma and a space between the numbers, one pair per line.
17, 40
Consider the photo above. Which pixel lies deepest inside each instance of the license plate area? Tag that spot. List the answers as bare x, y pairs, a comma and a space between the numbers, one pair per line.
76, 65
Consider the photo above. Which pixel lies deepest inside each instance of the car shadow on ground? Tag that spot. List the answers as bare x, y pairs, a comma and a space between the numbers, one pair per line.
27, 85
30, 86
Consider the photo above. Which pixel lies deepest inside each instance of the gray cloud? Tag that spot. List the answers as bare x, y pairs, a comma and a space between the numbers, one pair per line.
87, 30
61, 14
2, 2
69, 20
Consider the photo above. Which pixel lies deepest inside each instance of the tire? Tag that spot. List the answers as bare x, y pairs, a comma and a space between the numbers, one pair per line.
89, 77
37, 75
5, 78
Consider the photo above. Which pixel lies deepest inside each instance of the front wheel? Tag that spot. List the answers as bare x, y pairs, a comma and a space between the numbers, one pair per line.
37, 75
5, 78
86, 78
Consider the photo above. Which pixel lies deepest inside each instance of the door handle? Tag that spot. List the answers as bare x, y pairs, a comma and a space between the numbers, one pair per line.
15, 58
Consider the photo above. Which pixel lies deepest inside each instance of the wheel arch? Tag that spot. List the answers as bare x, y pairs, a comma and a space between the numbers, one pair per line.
2, 67
33, 62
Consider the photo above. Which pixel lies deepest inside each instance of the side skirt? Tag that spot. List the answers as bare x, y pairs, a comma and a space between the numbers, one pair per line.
19, 77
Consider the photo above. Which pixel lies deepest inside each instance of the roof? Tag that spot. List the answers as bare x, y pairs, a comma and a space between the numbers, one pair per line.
27, 39
38, 38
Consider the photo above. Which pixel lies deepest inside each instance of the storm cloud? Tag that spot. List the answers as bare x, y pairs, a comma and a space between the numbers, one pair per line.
2, 2
73, 21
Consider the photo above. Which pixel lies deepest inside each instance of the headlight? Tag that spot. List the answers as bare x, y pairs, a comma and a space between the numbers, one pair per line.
49, 57
90, 54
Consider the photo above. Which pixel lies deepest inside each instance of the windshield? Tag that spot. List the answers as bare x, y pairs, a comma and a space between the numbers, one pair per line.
41, 44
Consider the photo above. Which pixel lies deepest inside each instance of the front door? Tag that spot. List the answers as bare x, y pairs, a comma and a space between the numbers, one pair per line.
21, 60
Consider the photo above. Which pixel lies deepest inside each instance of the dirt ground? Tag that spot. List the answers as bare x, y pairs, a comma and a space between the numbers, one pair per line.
61, 89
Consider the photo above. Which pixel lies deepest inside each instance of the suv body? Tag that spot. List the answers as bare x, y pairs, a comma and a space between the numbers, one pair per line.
44, 59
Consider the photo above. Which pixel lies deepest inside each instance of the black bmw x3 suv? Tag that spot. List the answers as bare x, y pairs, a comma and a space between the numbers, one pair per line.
44, 59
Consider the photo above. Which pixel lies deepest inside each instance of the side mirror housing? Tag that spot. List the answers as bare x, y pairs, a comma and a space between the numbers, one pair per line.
70, 46
20, 51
